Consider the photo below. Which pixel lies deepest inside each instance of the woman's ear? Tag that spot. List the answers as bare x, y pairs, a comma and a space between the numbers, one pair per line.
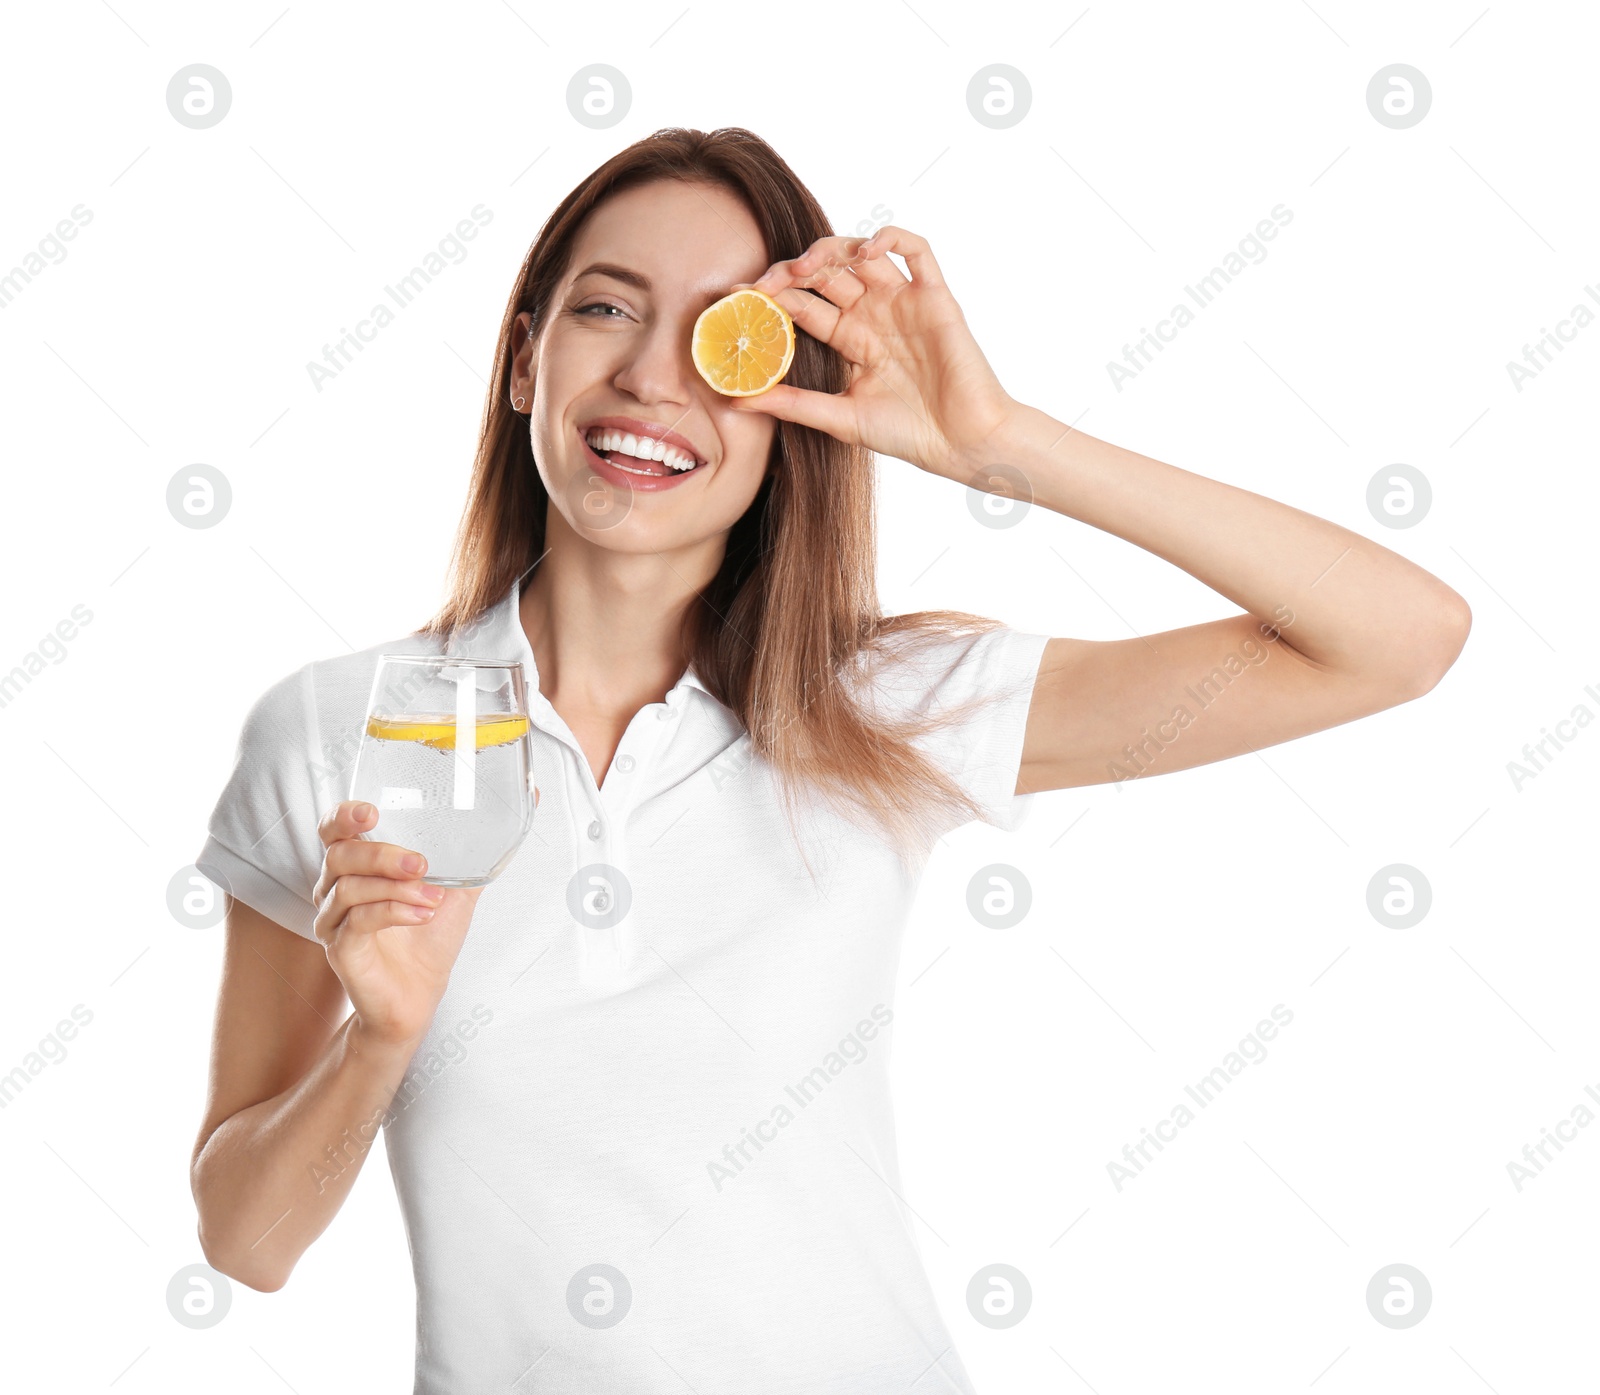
522, 358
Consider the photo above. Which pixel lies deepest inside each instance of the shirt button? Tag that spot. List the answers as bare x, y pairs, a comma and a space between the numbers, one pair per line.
594, 831
624, 764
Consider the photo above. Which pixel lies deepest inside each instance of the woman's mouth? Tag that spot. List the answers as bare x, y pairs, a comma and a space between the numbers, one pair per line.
639, 455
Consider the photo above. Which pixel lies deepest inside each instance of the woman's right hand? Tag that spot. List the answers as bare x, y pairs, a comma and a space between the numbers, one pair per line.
391, 938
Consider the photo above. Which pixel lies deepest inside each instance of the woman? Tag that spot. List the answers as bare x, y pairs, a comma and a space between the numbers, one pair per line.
657, 1151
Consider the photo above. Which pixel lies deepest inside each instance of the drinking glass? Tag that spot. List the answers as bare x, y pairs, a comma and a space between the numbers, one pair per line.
445, 758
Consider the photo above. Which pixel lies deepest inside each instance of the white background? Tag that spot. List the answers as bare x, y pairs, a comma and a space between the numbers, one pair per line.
1168, 917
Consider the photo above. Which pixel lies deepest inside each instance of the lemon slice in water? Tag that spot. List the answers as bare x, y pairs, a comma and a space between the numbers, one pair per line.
440, 732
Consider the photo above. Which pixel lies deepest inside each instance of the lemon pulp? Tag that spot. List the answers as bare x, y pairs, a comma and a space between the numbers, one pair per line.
743, 344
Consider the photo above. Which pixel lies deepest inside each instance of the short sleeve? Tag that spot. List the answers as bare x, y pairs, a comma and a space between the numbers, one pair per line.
262, 843
981, 750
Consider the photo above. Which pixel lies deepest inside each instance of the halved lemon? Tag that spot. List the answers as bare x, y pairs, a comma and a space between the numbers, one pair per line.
743, 344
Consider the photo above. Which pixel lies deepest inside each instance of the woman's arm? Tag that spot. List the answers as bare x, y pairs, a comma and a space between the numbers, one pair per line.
1335, 627
295, 1101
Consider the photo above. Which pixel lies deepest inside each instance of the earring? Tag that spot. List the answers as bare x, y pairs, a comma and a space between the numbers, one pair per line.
518, 403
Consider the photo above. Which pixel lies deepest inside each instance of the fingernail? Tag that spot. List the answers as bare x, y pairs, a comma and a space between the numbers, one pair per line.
433, 893
420, 912
363, 812
411, 862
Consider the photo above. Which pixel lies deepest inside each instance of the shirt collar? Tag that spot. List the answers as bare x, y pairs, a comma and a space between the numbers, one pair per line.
498, 634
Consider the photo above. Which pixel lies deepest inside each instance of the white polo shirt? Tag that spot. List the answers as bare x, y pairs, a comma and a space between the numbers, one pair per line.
648, 1143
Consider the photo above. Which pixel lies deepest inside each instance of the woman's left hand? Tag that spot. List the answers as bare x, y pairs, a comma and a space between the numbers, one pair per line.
920, 388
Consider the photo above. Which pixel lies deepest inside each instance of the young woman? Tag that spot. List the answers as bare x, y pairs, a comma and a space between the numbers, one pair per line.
657, 1151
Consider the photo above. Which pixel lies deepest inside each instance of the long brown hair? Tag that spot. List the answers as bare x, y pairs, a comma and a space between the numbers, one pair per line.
795, 602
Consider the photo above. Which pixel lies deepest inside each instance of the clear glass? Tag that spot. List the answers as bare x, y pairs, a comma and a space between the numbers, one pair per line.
446, 760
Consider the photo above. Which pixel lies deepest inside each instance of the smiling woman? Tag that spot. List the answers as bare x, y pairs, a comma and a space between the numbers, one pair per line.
716, 564
742, 766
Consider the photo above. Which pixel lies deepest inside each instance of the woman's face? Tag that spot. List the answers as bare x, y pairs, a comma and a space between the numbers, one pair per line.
615, 345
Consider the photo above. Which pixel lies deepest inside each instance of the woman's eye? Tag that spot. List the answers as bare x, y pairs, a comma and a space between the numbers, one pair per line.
599, 305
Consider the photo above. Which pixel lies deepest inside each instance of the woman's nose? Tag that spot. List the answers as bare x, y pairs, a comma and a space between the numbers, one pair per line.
659, 368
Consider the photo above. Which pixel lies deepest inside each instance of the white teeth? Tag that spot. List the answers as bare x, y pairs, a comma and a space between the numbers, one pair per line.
641, 447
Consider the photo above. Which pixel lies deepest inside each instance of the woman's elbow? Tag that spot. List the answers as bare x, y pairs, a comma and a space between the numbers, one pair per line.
231, 1266
1441, 641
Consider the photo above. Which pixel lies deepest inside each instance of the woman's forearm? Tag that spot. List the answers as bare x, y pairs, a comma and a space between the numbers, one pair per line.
271, 1177
1356, 606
